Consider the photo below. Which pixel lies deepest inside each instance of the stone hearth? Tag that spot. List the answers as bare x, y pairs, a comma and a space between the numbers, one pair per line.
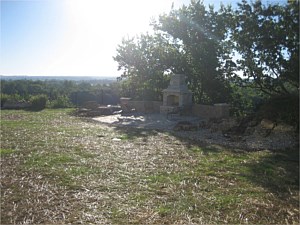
177, 95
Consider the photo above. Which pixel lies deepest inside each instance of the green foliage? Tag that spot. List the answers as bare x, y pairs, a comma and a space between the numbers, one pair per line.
38, 102
61, 102
200, 32
144, 61
5, 151
3, 99
245, 100
282, 108
13, 99
267, 38
186, 41
61, 93
242, 55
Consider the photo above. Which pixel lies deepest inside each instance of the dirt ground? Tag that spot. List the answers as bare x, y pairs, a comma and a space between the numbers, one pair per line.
280, 138
146, 121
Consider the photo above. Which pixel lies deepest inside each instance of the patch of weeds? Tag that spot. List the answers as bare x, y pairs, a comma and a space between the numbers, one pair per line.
277, 174
6, 151
196, 149
140, 197
82, 170
207, 150
82, 153
165, 178
61, 167
164, 210
118, 216
126, 137
62, 177
226, 201
20, 124
53, 160
58, 167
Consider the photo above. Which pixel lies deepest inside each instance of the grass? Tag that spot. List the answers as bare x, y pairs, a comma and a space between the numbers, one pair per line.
5, 151
56, 168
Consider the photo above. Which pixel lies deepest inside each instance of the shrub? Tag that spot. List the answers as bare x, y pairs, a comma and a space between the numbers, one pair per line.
3, 99
61, 102
283, 108
38, 102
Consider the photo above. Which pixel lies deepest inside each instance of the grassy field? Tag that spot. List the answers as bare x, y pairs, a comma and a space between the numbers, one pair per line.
56, 168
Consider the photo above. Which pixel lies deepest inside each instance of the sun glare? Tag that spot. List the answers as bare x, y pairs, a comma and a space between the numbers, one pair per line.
74, 37
95, 28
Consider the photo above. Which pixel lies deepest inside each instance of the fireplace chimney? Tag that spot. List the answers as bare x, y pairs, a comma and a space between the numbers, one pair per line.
177, 95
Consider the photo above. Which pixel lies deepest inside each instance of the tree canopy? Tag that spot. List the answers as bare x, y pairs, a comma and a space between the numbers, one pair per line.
267, 39
251, 45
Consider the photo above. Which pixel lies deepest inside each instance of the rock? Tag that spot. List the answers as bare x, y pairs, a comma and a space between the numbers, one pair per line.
267, 124
265, 128
203, 124
249, 131
116, 139
281, 127
253, 123
185, 126
90, 105
227, 124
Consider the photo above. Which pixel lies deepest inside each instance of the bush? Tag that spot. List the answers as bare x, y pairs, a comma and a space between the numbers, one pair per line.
3, 99
61, 102
283, 108
245, 101
38, 102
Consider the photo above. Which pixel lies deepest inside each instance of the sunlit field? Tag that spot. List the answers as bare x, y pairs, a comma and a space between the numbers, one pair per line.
57, 168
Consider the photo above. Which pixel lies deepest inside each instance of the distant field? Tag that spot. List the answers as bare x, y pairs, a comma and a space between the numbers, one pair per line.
56, 168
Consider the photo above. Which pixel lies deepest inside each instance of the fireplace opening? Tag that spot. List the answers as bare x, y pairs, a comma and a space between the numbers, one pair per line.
172, 100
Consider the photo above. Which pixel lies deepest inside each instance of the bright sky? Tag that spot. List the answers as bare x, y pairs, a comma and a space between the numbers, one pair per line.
71, 37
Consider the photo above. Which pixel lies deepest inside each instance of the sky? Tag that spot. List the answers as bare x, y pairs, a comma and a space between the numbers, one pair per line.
73, 37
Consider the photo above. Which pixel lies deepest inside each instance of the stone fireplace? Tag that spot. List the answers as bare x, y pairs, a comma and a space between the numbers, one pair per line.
176, 95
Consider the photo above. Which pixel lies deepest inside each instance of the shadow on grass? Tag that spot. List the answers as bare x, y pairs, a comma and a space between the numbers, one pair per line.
277, 172
30, 109
130, 133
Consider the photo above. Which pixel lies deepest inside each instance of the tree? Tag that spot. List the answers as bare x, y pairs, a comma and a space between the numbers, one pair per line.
200, 33
267, 39
186, 41
145, 61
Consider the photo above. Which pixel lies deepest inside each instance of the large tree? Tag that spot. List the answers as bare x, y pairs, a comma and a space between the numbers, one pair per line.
145, 61
187, 40
267, 40
201, 33
201, 42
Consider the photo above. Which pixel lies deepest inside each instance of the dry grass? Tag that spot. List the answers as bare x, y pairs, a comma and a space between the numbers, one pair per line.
59, 169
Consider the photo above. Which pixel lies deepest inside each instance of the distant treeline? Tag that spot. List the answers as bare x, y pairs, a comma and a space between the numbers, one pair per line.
60, 93
91, 79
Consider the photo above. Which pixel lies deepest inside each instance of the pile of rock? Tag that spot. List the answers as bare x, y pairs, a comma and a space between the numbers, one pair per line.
253, 133
93, 109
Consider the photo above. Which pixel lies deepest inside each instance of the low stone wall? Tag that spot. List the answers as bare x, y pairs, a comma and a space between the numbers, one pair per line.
211, 111
156, 106
145, 106
202, 111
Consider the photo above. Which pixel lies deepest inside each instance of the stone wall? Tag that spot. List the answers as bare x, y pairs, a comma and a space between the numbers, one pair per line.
145, 106
202, 111
211, 111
